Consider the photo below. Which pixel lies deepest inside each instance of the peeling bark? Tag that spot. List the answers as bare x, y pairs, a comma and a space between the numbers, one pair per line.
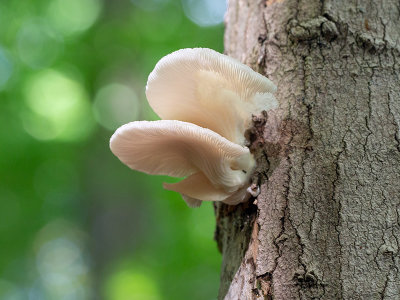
327, 222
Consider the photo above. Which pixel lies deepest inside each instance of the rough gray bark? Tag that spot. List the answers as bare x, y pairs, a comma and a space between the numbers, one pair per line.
327, 222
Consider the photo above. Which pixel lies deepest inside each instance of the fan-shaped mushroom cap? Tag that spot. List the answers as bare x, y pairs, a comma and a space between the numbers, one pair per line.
177, 149
212, 90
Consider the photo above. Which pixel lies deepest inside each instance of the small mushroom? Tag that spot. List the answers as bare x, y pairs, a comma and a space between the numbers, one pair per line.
199, 187
213, 96
237, 197
212, 90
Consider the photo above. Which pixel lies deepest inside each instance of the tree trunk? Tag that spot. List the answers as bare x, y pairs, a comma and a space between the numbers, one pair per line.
327, 222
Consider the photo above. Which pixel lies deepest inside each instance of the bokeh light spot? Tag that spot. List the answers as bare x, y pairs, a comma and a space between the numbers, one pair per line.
115, 105
61, 262
205, 12
73, 16
131, 285
38, 45
59, 107
6, 68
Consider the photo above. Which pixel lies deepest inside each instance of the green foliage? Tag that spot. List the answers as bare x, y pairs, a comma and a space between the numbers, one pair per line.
75, 223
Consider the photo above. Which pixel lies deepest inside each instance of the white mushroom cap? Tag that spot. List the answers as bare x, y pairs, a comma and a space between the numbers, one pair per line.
212, 90
175, 148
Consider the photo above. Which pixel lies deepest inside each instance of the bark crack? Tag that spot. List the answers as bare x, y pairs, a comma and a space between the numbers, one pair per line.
339, 217
397, 127
281, 237
369, 116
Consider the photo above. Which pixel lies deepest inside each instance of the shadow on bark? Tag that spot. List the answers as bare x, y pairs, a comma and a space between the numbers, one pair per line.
233, 233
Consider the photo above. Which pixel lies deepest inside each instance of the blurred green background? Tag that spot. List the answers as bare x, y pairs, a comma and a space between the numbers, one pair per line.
75, 223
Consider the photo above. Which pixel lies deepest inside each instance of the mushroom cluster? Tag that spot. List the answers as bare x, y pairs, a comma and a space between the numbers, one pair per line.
205, 100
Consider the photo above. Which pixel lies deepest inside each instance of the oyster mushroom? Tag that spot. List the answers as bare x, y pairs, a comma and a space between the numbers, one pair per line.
213, 96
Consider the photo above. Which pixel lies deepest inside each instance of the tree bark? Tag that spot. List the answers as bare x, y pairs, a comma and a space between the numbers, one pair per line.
327, 222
